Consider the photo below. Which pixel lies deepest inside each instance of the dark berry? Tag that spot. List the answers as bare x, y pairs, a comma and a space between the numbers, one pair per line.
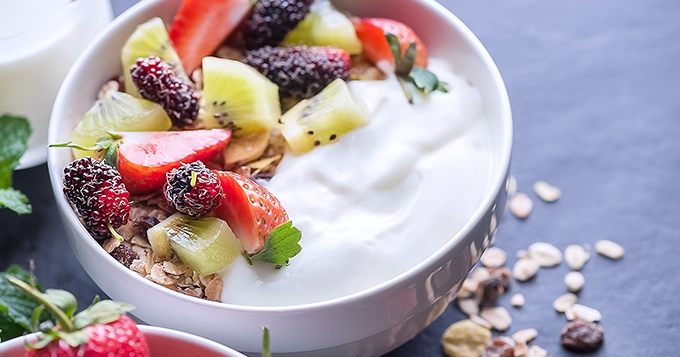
157, 82
300, 71
124, 254
98, 193
272, 20
193, 189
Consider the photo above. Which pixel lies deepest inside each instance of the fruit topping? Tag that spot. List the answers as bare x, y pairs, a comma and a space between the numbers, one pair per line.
371, 32
206, 245
150, 38
253, 213
193, 189
115, 112
98, 193
200, 26
325, 26
238, 97
324, 118
301, 71
272, 20
157, 82
102, 329
245, 148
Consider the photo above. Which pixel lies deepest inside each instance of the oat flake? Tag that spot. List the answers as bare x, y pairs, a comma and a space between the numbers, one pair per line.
521, 205
574, 281
498, 316
564, 302
524, 336
547, 192
576, 256
525, 269
517, 300
546, 254
609, 249
494, 257
585, 313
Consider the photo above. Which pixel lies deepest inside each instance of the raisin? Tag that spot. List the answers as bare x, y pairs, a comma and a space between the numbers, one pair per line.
500, 347
495, 285
582, 336
143, 223
124, 254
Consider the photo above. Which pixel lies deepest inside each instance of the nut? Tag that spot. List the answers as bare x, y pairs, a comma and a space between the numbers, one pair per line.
609, 249
524, 336
546, 192
501, 346
525, 269
564, 302
517, 300
498, 316
584, 313
546, 254
575, 281
575, 256
465, 339
582, 336
494, 257
521, 205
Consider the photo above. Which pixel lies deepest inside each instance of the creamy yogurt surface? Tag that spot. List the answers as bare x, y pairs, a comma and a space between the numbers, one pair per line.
381, 199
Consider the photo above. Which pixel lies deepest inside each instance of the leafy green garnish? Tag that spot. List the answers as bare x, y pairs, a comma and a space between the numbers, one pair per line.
14, 132
16, 307
405, 69
281, 245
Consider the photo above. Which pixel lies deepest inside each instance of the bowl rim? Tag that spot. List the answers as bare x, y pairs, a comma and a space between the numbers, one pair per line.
497, 179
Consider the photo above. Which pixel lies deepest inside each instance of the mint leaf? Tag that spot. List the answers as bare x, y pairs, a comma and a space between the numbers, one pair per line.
16, 307
426, 80
14, 132
281, 245
14, 200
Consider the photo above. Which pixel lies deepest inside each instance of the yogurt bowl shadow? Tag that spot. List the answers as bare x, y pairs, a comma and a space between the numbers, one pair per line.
371, 322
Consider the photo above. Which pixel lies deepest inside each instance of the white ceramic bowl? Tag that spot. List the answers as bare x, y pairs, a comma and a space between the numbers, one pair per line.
162, 342
368, 323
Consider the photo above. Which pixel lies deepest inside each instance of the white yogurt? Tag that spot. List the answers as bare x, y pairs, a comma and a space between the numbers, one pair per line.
381, 199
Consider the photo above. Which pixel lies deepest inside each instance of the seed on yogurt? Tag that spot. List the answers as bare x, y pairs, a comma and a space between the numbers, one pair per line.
574, 281
546, 254
521, 205
547, 192
576, 256
609, 249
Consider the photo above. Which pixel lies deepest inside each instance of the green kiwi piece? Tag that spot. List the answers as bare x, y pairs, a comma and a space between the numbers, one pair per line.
323, 118
205, 244
238, 97
325, 26
117, 111
150, 38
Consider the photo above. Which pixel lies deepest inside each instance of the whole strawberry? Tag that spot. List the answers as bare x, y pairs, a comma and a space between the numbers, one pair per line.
101, 330
98, 193
300, 71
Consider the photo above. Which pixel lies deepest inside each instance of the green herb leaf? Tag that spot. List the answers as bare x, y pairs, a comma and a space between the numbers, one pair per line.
281, 245
14, 132
15, 200
16, 308
426, 80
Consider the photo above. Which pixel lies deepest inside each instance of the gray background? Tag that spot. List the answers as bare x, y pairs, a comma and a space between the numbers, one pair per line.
594, 87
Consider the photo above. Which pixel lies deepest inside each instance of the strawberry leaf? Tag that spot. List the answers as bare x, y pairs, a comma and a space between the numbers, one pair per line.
281, 245
102, 312
64, 300
16, 307
426, 80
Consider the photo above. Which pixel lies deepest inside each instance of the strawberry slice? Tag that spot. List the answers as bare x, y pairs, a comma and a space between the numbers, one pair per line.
371, 31
249, 209
145, 157
200, 26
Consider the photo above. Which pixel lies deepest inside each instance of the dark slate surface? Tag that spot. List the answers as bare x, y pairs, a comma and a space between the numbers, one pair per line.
594, 87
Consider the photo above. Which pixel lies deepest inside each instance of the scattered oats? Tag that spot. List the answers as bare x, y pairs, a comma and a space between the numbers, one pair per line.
536, 351
480, 321
480, 274
197, 78
570, 314
525, 269
498, 316
546, 254
213, 291
546, 192
157, 275
521, 350
501, 346
469, 289
495, 285
139, 250
205, 280
575, 281
575, 256
494, 257
521, 254
524, 336
107, 87
138, 266
140, 241
511, 186
564, 302
521, 205
149, 260
192, 291
174, 267
468, 306
465, 339
609, 249
517, 300
585, 313
110, 244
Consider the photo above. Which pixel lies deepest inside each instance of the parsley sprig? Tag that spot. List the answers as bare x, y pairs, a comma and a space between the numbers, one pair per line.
14, 134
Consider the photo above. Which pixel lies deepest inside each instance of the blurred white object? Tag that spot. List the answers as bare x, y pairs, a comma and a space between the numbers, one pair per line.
39, 40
